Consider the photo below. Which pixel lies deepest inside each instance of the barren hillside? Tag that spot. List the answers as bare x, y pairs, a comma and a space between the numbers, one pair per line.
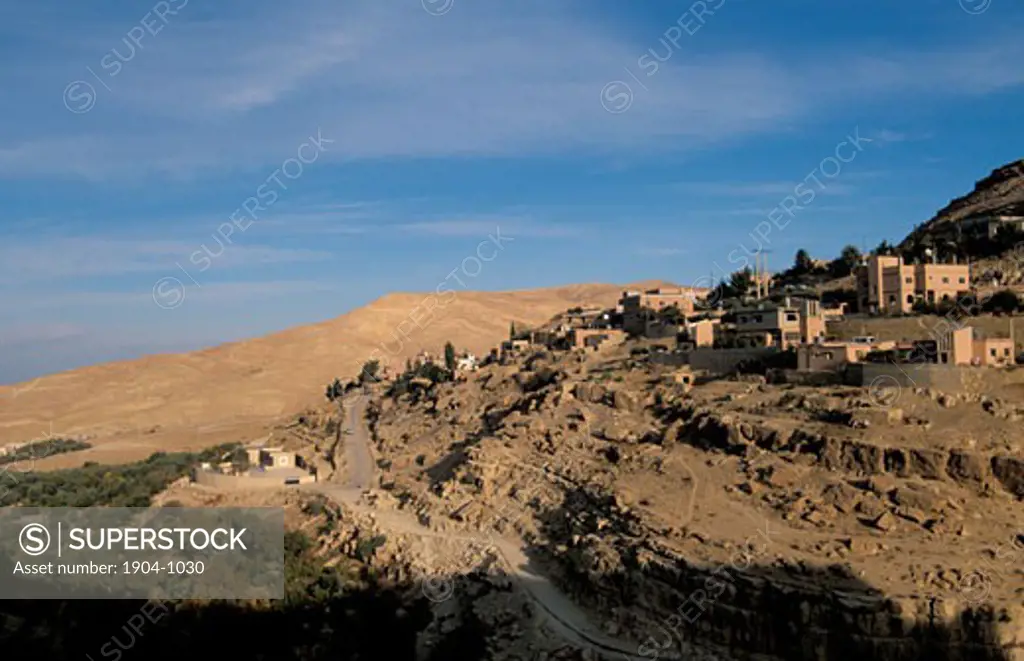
1001, 192
130, 409
763, 520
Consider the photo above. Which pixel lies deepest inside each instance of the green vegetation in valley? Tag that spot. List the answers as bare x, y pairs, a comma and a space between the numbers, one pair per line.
42, 449
122, 485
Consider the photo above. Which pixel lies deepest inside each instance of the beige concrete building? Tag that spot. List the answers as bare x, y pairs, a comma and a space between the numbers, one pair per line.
994, 351
834, 314
828, 356
885, 284
961, 347
783, 325
595, 337
700, 333
268, 468
639, 309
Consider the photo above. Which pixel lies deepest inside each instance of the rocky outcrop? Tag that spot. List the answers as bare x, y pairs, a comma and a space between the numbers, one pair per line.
752, 609
1000, 192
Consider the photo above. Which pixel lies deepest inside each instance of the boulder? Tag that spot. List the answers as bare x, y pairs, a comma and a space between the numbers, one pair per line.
929, 464
966, 467
589, 392
884, 522
624, 401
1010, 473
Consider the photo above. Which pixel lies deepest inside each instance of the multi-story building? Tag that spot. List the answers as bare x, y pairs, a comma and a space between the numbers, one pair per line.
640, 309
886, 285
786, 324
962, 346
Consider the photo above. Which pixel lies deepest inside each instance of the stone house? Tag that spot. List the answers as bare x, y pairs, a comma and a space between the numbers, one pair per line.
640, 308
786, 324
886, 285
593, 337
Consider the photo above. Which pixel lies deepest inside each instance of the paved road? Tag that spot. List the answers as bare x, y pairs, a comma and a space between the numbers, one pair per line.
561, 612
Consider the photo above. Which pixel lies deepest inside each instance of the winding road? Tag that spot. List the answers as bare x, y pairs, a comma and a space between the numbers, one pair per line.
567, 618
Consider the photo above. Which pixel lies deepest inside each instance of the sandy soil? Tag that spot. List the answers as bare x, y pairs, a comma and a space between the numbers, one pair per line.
238, 391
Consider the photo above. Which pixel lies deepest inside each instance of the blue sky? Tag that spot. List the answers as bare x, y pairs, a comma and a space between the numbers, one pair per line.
132, 131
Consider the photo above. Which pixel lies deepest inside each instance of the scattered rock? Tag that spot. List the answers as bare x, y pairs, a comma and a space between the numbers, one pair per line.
884, 522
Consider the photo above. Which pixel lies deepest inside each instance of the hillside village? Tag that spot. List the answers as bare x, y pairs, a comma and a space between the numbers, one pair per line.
798, 337
850, 461
824, 462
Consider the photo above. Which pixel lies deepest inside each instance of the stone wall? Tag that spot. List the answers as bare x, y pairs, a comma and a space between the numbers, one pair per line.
751, 609
723, 361
246, 482
946, 378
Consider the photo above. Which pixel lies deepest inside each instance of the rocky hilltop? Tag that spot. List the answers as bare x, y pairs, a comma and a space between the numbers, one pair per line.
1001, 192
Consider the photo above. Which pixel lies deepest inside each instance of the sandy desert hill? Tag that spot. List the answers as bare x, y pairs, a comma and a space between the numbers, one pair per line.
130, 409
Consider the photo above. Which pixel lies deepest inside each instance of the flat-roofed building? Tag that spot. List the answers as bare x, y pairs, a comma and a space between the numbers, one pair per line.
640, 308
785, 324
886, 285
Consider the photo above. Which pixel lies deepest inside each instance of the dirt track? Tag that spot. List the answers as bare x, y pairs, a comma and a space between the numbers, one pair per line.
564, 616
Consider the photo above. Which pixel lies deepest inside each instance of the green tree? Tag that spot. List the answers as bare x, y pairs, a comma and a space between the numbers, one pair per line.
883, 248
511, 331
741, 282
1003, 301
334, 390
803, 263
847, 261
449, 356
370, 370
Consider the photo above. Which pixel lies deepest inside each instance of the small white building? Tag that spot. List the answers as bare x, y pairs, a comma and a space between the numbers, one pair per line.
467, 362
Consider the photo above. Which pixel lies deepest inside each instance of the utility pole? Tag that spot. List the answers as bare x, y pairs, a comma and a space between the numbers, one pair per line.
757, 275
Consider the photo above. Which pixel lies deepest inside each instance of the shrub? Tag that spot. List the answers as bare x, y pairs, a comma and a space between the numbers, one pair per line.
43, 449
1003, 301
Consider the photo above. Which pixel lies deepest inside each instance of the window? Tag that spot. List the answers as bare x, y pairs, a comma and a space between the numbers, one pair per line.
910, 298
992, 352
743, 320
790, 316
963, 280
758, 318
945, 281
909, 281
1006, 352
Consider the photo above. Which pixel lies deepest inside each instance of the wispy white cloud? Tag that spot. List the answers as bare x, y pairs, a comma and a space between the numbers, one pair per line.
210, 294
48, 258
390, 81
888, 136
755, 188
